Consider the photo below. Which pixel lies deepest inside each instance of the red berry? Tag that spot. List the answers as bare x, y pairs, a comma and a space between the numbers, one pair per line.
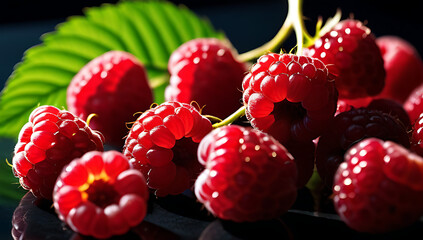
350, 52
414, 103
248, 175
113, 86
290, 97
100, 195
50, 140
206, 70
162, 144
349, 128
379, 187
403, 66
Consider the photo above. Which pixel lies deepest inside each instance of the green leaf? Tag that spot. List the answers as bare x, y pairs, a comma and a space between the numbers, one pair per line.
150, 30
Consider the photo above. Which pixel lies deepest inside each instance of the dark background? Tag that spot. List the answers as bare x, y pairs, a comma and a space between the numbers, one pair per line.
248, 24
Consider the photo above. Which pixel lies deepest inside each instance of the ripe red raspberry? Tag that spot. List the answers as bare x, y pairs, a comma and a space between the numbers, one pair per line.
49, 141
162, 144
100, 195
290, 97
414, 103
350, 52
379, 187
206, 70
249, 176
403, 66
113, 86
349, 128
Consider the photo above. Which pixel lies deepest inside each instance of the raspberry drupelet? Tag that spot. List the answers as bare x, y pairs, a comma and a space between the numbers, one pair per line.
50, 140
162, 144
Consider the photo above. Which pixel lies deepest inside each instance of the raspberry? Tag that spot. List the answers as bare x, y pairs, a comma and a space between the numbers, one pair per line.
379, 187
403, 66
414, 103
350, 52
206, 70
248, 175
290, 97
349, 128
113, 86
162, 144
100, 195
49, 141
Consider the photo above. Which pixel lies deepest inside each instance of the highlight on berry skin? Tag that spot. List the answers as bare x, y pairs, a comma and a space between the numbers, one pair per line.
101, 195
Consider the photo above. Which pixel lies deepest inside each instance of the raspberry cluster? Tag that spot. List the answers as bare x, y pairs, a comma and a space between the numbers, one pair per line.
324, 119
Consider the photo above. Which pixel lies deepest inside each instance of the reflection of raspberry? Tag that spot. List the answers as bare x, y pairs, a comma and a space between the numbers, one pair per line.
205, 70
350, 52
162, 144
350, 127
249, 176
379, 187
289, 97
100, 195
114, 86
49, 141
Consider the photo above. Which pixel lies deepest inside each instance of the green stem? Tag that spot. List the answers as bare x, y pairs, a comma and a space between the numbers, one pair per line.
295, 14
293, 21
213, 118
234, 116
